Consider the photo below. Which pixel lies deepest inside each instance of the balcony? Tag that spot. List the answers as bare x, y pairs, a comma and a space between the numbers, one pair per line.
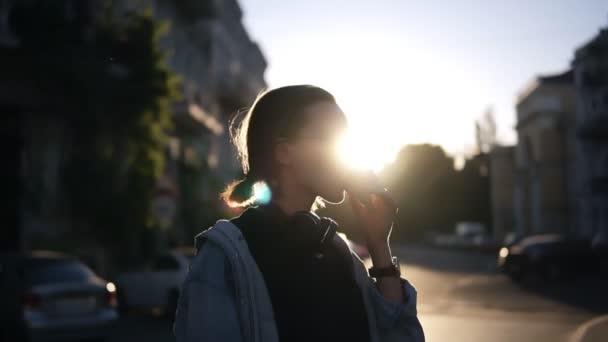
191, 119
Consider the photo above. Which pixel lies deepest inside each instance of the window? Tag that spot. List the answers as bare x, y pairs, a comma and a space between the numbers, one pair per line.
547, 103
49, 271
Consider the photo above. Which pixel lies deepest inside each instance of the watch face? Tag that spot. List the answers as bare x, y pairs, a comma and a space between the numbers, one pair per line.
396, 266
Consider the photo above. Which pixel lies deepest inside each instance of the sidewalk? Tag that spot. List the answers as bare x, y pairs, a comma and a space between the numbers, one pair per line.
595, 330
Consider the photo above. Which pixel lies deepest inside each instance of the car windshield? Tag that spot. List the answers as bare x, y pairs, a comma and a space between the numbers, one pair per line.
48, 271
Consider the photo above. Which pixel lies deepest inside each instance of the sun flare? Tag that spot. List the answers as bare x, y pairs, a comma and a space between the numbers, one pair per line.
362, 150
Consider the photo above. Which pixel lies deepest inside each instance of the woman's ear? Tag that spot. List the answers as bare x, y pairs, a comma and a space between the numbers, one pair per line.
282, 153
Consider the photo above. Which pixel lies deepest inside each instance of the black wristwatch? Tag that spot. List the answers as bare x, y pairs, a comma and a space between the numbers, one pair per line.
391, 271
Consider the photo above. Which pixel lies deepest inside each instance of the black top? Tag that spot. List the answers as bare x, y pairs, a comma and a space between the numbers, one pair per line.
314, 298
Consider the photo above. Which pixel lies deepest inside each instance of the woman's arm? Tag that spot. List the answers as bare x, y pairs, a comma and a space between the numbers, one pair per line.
207, 308
376, 219
393, 321
397, 321
394, 299
389, 287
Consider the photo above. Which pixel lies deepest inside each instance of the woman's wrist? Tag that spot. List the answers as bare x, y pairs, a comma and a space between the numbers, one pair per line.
389, 287
380, 253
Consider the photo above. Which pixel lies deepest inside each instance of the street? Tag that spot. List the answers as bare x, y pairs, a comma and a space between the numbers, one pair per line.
462, 297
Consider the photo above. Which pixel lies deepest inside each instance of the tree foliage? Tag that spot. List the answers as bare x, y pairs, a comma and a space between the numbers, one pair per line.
485, 132
422, 179
431, 194
116, 92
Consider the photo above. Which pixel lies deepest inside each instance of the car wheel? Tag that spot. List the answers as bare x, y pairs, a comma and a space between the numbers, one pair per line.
515, 272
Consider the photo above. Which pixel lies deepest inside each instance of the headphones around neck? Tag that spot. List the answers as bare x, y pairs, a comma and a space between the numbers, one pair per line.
314, 230
322, 229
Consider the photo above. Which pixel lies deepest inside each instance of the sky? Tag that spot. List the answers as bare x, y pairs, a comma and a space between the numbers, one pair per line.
420, 71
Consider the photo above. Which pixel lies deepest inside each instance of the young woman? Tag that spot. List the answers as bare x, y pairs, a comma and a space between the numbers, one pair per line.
278, 272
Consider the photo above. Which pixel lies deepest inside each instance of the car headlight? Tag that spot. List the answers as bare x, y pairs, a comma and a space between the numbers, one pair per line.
111, 287
504, 252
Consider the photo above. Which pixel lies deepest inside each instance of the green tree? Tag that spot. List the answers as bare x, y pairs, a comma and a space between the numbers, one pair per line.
485, 131
115, 92
431, 194
421, 180
473, 187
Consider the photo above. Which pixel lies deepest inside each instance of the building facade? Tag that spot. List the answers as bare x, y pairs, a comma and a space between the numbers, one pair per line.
545, 156
221, 70
590, 67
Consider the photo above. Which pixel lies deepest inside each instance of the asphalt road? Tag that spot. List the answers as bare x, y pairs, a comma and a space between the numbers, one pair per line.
463, 298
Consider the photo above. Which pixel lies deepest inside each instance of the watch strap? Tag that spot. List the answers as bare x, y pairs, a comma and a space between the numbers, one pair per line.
390, 271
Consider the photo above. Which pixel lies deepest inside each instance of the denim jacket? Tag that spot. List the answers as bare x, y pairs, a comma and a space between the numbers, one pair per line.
224, 297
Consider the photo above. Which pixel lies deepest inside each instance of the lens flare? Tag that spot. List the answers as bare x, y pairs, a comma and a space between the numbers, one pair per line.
262, 193
352, 154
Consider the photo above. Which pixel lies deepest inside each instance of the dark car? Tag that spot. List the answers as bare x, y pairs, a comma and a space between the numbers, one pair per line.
550, 256
58, 297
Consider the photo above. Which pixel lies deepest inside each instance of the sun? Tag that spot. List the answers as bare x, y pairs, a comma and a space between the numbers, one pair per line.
348, 152
365, 150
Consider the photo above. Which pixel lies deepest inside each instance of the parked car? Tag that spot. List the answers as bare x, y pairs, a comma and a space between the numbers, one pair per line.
511, 238
550, 256
468, 230
61, 298
156, 288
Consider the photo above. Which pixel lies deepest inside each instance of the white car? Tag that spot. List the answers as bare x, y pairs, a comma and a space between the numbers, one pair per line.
156, 289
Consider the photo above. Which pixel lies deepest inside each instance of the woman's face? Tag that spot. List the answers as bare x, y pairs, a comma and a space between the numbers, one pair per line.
315, 160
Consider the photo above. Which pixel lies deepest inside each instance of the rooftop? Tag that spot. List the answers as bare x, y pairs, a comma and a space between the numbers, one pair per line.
566, 77
594, 46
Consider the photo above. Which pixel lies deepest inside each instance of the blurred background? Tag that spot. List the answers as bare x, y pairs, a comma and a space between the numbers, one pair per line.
487, 120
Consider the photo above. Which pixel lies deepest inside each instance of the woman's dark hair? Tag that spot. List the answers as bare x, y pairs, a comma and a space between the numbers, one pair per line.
275, 114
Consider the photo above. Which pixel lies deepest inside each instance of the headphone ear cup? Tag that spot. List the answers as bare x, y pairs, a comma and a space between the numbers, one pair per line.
305, 220
309, 227
316, 230
329, 228
304, 224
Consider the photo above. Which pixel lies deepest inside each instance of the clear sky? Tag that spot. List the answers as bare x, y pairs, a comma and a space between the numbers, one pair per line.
420, 71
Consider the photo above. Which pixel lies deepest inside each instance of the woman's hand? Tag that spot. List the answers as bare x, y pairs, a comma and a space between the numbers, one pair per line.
376, 218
